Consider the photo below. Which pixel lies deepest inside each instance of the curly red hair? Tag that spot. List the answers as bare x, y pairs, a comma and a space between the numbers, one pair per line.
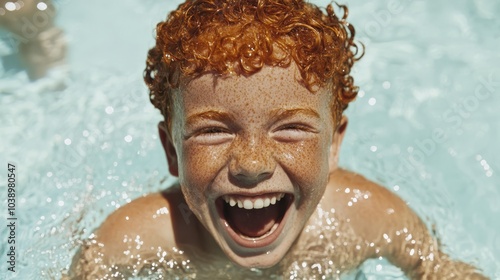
241, 36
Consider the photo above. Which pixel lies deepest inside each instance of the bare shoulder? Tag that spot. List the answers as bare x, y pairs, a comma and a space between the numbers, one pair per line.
372, 210
349, 192
144, 229
146, 219
144, 226
374, 213
390, 228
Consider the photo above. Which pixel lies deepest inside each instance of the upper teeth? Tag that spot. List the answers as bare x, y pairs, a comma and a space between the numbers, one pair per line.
253, 203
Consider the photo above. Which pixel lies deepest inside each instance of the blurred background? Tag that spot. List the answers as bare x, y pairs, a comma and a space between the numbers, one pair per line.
425, 124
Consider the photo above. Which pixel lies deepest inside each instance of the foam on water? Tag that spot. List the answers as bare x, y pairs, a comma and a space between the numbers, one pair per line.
424, 125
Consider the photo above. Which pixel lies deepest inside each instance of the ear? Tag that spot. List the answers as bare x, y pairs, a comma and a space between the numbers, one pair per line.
338, 136
168, 146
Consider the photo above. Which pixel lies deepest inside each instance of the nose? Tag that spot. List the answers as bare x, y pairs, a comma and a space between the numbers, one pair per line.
252, 160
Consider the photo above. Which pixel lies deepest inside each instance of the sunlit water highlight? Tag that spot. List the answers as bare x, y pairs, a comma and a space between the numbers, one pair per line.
424, 125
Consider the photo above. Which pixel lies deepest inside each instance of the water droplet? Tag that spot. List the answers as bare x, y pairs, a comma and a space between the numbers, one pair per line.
41, 6
109, 110
372, 101
10, 6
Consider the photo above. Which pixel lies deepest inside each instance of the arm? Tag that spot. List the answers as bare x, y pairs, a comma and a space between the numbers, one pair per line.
381, 218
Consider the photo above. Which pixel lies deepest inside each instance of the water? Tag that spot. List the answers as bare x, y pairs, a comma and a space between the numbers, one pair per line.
424, 125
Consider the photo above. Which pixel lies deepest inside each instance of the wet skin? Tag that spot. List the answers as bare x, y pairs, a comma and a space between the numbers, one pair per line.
255, 136
252, 137
41, 44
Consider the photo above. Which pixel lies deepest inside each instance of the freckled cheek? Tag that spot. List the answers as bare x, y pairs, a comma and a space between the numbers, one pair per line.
308, 163
200, 165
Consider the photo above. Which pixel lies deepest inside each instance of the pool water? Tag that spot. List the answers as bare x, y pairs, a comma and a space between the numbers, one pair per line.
425, 125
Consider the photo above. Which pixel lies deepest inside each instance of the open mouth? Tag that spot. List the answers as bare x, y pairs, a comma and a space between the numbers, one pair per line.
254, 221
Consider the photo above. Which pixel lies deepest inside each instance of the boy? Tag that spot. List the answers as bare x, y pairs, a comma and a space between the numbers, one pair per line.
252, 92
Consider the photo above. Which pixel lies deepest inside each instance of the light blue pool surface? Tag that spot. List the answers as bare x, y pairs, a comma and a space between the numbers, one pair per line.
425, 125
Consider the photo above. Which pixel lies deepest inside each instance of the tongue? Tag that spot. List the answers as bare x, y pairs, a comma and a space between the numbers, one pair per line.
254, 222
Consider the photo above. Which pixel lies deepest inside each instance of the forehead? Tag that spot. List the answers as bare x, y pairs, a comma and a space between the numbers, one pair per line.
266, 89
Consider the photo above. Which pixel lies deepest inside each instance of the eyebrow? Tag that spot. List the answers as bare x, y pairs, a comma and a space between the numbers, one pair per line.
208, 115
276, 114
284, 113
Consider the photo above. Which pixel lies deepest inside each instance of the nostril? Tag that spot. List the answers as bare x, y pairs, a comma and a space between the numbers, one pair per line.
257, 176
251, 170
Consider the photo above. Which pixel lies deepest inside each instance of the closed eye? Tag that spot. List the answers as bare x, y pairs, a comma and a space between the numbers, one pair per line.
212, 130
294, 132
295, 126
212, 135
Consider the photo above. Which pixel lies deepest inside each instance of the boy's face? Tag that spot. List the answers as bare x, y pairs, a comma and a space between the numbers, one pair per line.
262, 143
